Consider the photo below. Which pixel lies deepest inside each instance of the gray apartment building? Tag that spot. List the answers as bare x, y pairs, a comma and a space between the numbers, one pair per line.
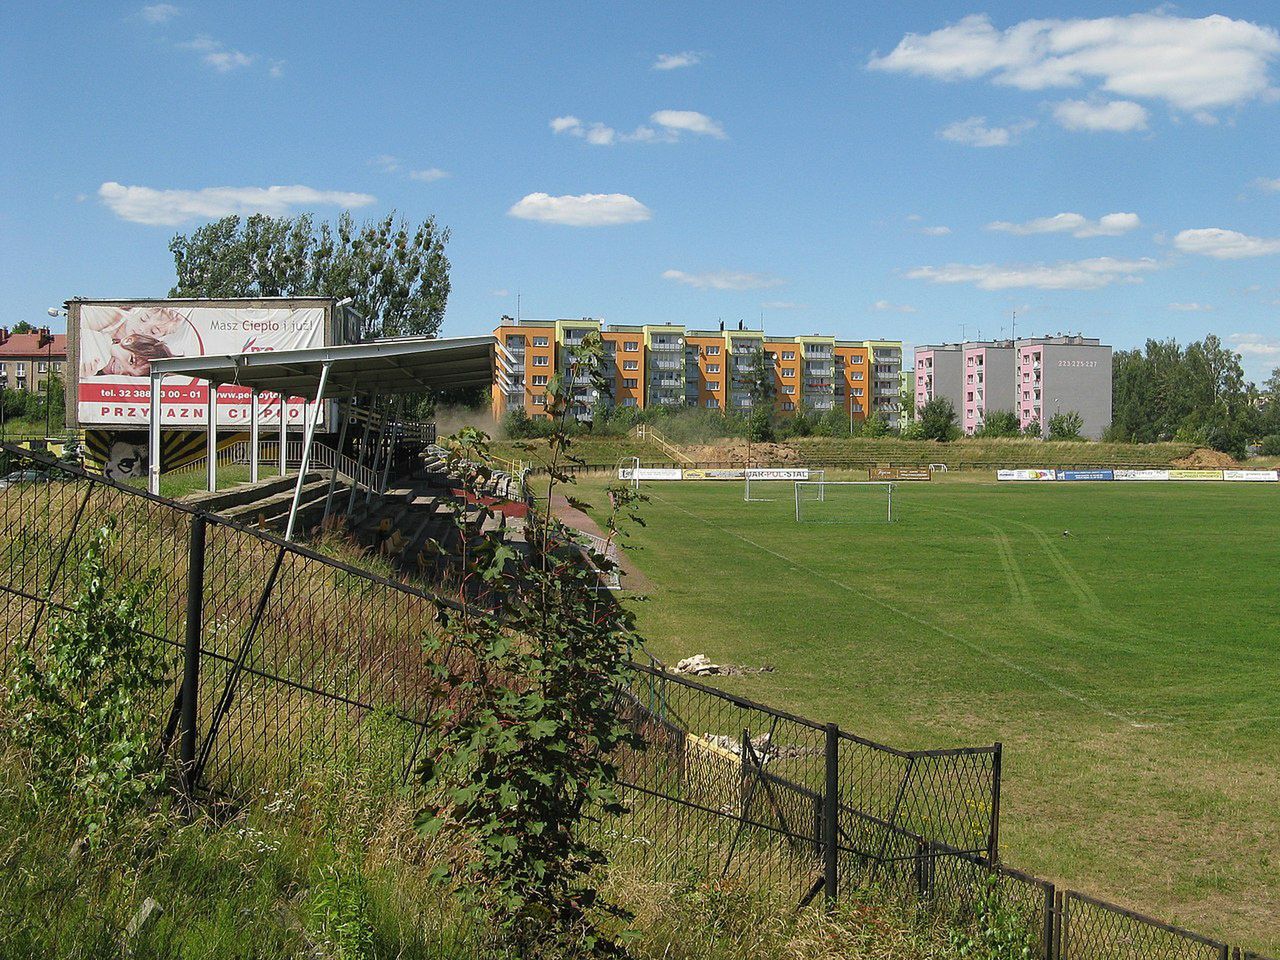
1034, 377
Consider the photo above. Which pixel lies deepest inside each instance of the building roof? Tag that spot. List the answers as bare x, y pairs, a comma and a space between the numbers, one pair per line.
390, 366
33, 345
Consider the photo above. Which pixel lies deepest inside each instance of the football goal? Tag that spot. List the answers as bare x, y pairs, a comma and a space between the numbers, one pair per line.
765, 485
844, 501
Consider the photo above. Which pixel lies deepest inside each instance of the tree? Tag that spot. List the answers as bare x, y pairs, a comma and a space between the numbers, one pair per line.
530, 733
396, 276
757, 379
760, 427
1032, 429
1000, 423
1066, 426
938, 420
23, 327
875, 426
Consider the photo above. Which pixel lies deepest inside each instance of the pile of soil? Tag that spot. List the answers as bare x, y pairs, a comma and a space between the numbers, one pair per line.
1205, 459
736, 451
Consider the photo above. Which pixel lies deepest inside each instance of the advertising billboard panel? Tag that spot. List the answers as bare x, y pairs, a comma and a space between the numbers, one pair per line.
1140, 474
1195, 474
1085, 475
1026, 475
117, 342
1264, 476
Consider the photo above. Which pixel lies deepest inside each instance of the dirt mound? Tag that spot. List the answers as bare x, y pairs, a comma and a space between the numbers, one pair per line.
737, 452
1204, 458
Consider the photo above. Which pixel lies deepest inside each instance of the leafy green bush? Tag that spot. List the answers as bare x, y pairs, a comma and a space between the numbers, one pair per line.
1066, 426
84, 705
1000, 423
937, 420
1270, 445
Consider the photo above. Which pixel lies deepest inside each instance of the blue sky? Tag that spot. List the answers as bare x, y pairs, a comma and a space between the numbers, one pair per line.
890, 170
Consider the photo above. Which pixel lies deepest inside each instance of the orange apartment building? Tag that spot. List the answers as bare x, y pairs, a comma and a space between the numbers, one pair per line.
668, 365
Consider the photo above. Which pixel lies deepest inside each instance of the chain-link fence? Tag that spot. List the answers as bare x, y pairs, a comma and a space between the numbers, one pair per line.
280, 657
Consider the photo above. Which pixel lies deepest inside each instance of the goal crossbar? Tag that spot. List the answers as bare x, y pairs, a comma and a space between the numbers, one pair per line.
820, 487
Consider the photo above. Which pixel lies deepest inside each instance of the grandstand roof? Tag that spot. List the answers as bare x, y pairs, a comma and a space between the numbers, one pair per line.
391, 366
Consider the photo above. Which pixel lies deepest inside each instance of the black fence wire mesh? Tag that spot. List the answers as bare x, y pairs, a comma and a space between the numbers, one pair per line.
281, 657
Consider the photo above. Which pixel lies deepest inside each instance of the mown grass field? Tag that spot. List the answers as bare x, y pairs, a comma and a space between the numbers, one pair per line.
1131, 669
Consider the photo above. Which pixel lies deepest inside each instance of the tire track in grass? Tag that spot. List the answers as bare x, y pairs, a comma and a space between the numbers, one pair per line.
918, 621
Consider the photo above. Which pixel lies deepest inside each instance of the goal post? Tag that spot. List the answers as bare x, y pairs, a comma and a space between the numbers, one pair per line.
759, 482
844, 501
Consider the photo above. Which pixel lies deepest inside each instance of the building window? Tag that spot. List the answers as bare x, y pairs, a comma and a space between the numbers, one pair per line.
789, 388
540, 342
713, 351
788, 371
788, 354
857, 375
631, 346
969, 396
539, 399
539, 379
713, 368
713, 384
788, 405
57, 367
630, 383
628, 401
542, 361
857, 391
42, 367
630, 364
22, 369
712, 403
968, 414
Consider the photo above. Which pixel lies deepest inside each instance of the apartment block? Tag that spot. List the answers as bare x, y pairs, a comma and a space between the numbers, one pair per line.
1064, 373
669, 365
1034, 377
27, 359
988, 382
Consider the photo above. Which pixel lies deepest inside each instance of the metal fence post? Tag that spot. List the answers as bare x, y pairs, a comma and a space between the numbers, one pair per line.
191, 653
831, 807
993, 840
1046, 934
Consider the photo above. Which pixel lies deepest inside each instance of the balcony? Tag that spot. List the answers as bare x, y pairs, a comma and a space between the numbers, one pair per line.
668, 364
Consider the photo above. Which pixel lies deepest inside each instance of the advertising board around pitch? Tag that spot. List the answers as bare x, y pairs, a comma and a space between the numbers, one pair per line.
1026, 475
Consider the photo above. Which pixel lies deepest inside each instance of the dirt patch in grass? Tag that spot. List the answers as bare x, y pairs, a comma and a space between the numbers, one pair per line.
741, 452
1204, 458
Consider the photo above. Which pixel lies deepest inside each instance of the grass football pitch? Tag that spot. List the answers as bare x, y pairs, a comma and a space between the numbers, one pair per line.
1131, 667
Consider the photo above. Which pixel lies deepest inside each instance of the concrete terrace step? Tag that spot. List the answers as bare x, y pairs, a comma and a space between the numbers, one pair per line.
224, 501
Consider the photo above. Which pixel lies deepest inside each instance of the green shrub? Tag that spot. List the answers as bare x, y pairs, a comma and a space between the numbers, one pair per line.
1270, 446
1066, 426
84, 706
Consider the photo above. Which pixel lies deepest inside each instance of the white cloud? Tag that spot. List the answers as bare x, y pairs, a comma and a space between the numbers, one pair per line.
277, 68
172, 207
1263, 183
939, 231
1255, 344
674, 61
688, 121
386, 163
158, 12
429, 175
1191, 307
1225, 244
1118, 116
1108, 225
669, 124
724, 280
1193, 65
584, 210
975, 132
783, 305
884, 306
217, 55
1063, 275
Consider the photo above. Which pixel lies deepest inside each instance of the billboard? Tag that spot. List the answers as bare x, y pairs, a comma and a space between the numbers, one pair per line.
650, 473
1025, 475
899, 473
1264, 476
1140, 474
776, 473
1085, 475
116, 344
726, 474
1195, 474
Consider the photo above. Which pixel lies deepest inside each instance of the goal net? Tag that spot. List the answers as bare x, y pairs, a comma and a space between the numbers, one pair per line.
844, 501
767, 484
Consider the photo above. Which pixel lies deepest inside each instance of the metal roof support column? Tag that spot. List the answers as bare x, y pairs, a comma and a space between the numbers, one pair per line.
211, 444
377, 455
395, 433
153, 435
364, 440
253, 436
284, 435
342, 442
310, 418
